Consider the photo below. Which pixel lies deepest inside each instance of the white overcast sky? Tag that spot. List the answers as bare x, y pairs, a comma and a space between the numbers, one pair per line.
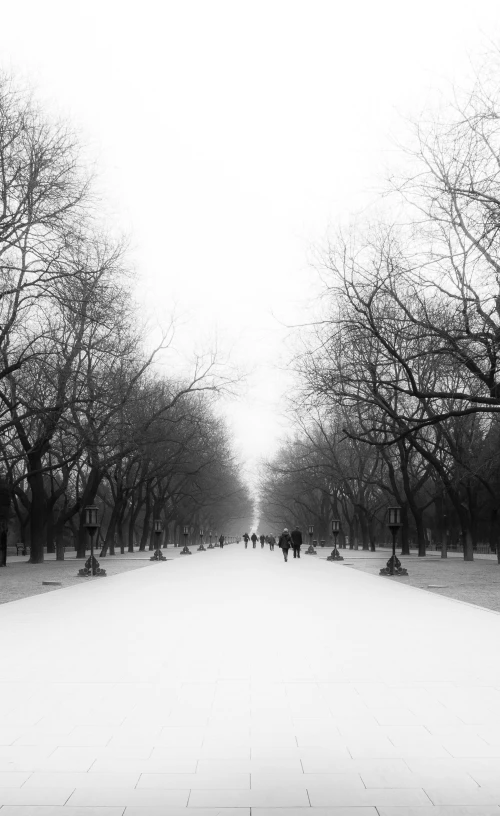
229, 136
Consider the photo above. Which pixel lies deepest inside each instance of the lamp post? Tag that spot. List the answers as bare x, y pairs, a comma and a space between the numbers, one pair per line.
210, 546
335, 556
185, 550
393, 566
201, 548
310, 550
92, 524
158, 528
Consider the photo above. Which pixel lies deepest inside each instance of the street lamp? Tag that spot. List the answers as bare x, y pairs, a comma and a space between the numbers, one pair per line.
393, 566
201, 548
311, 550
335, 556
185, 550
210, 546
91, 522
216, 540
158, 528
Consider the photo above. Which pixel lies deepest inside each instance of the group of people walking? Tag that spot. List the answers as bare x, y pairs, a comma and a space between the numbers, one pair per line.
286, 541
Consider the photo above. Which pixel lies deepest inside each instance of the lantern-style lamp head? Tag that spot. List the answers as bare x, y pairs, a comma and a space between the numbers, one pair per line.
394, 516
186, 531
311, 529
201, 532
91, 519
335, 525
158, 526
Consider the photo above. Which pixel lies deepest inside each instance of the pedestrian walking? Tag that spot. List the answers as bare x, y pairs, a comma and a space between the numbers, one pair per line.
254, 540
272, 542
245, 538
296, 537
221, 541
285, 543
262, 541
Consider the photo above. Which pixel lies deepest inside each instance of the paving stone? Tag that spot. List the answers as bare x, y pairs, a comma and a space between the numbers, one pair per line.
35, 796
317, 811
473, 810
40, 810
93, 797
160, 811
264, 797
226, 709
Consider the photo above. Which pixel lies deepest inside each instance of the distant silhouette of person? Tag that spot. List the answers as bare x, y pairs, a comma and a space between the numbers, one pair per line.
245, 538
221, 541
254, 540
296, 537
272, 542
262, 541
285, 543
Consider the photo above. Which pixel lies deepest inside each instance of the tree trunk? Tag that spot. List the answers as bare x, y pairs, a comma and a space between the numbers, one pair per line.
146, 524
130, 536
134, 512
58, 533
109, 541
468, 545
419, 524
494, 535
82, 539
3, 545
405, 545
50, 533
38, 510
364, 530
120, 525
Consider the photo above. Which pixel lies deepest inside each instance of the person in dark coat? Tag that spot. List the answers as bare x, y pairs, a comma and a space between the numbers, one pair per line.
285, 543
221, 541
262, 541
296, 537
272, 542
254, 540
246, 537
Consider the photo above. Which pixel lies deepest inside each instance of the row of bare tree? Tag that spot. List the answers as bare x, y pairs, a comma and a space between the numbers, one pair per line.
400, 399
86, 415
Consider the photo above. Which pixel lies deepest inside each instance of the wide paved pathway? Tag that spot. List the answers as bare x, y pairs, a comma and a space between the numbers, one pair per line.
230, 683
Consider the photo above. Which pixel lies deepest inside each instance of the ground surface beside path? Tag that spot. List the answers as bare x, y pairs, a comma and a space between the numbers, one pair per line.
233, 683
476, 582
20, 579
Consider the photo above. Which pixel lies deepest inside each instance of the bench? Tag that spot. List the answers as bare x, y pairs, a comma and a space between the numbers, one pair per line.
19, 548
